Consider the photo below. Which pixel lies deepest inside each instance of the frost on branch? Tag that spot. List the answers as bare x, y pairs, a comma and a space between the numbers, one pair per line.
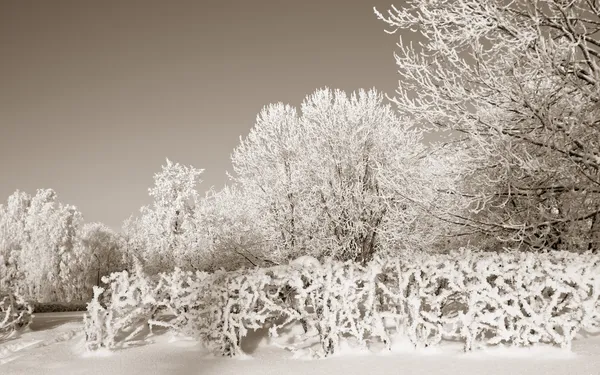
15, 313
165, 233
324, 178
94, 323
509, 298
516, 83
118, 314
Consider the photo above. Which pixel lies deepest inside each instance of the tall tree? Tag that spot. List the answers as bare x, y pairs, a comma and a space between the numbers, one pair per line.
328, 181
520, 81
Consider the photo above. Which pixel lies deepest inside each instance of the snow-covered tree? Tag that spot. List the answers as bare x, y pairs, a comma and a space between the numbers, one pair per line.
12, 236
233, 234
166, 230
339, 178
520, 82
101, 247
48, 252
266, 165
38, 246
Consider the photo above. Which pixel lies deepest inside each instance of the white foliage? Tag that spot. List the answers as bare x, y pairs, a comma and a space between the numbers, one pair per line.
165, 234
342, 177
305, 261
517, 85
12, 236
234, 236
15, 313
38, 246
480, 298
129, 304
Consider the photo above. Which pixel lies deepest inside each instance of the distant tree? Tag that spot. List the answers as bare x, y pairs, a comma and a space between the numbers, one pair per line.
12, 237
103, 249
520, 81
133, 241
233, 234
341, 178
48, 253
165, 231
38, 245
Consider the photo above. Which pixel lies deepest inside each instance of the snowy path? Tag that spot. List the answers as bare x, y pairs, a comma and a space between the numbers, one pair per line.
46, 329
53, 346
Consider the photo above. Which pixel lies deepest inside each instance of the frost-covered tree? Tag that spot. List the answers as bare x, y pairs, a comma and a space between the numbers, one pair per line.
38, 246
341, 177
12, 236
166, 230
48, 253
101, 247
265, 164
520, 82
233, 234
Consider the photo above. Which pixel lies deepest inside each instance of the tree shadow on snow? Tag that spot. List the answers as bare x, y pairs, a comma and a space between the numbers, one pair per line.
46, 324
587, 334
253, 339
141, 335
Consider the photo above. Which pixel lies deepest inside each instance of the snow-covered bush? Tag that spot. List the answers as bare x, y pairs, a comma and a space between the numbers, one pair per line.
509, 298
492, 298
15, 313
201, 304
524, 299
221, 307
118, 313
336, 299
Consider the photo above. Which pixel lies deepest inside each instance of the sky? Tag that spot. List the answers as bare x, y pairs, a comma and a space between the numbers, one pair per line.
95, 95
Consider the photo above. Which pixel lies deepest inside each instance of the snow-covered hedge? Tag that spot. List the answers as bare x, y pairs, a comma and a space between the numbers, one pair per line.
118, 313
479, 298
489, 298
15, 313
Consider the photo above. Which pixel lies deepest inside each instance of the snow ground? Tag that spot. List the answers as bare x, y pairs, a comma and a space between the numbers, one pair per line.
53, 345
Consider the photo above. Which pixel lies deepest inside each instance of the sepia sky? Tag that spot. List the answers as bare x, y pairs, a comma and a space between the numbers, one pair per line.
95, 95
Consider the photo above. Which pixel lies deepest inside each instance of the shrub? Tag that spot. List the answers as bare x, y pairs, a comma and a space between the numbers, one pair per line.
511, 298
15, 313
116, 315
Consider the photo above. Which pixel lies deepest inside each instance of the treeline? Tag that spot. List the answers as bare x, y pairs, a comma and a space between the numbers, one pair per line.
322, 181
343, 177
48, 254
513, 87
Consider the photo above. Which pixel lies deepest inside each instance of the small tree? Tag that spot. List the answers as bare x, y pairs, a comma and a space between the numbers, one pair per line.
166, 229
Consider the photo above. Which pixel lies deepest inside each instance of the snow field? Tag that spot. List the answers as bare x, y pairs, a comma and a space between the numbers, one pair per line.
167, 352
